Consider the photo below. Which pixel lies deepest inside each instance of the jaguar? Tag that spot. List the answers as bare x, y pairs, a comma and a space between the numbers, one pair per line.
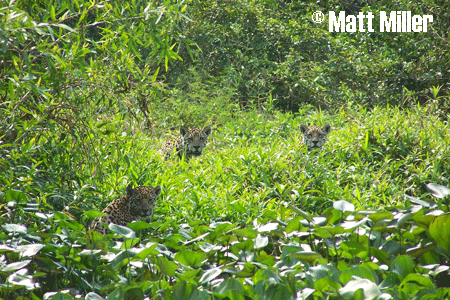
138, 202
314, 137
189, 143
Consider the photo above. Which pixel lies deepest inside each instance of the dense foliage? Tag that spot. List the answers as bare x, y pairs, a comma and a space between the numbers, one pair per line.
89, 90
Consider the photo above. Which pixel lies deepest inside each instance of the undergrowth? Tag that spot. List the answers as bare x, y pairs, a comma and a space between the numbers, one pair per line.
256, 215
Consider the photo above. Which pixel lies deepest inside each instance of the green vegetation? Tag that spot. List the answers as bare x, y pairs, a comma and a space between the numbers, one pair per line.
90, 90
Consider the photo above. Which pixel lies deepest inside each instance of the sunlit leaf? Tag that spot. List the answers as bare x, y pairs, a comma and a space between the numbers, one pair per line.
210, 275
370, 289
29, 250
122, 231
93, 296
14, 228
14, 266
268, 227
438, 191
343, 206
439, 231
261, 241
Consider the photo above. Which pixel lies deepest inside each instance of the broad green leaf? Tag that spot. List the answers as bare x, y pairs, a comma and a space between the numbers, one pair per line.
122, 258
229, 284
210, 275
248, 233
403, 265
207, 247
93, 296
89, 252
29, 250
302, 213
261, 241
295, 225
326, 283
268, 227
21, 279
14, 228
123, 231
438, 191
419, 279
415, 284
92, 214
419, 251
308, 256
439, 231
150, 249
370, 289
421, 202
190, 258
237, 207
167, 267
14, 266
133, 294
384, 215
15, 195
358, 271
343, 206
136, 226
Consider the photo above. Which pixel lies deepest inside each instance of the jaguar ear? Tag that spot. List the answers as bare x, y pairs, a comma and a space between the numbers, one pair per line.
327, 128
207, 130
183, 130
303, 128
130, 189
157, 190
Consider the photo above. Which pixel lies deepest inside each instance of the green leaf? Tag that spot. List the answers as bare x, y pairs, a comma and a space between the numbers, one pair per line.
268, 227
92, 214
210, 275
167, 267
421, 202
93, 296
403, 265
228, 285
308, 256
133, 294
438, 191
29, 250
248, 233
14, 266
384, 215
343, 206
304, 214
122, 258
137, 226
261, 241
14, 228
439, 231
190, 258
123, 231
15, 195
370, 289
358, 271
419, 251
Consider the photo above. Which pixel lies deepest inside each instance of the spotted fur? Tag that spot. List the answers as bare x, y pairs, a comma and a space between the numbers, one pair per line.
314, 137
137, 203
191, 142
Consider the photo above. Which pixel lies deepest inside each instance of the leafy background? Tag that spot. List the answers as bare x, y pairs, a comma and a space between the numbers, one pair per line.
89, 90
